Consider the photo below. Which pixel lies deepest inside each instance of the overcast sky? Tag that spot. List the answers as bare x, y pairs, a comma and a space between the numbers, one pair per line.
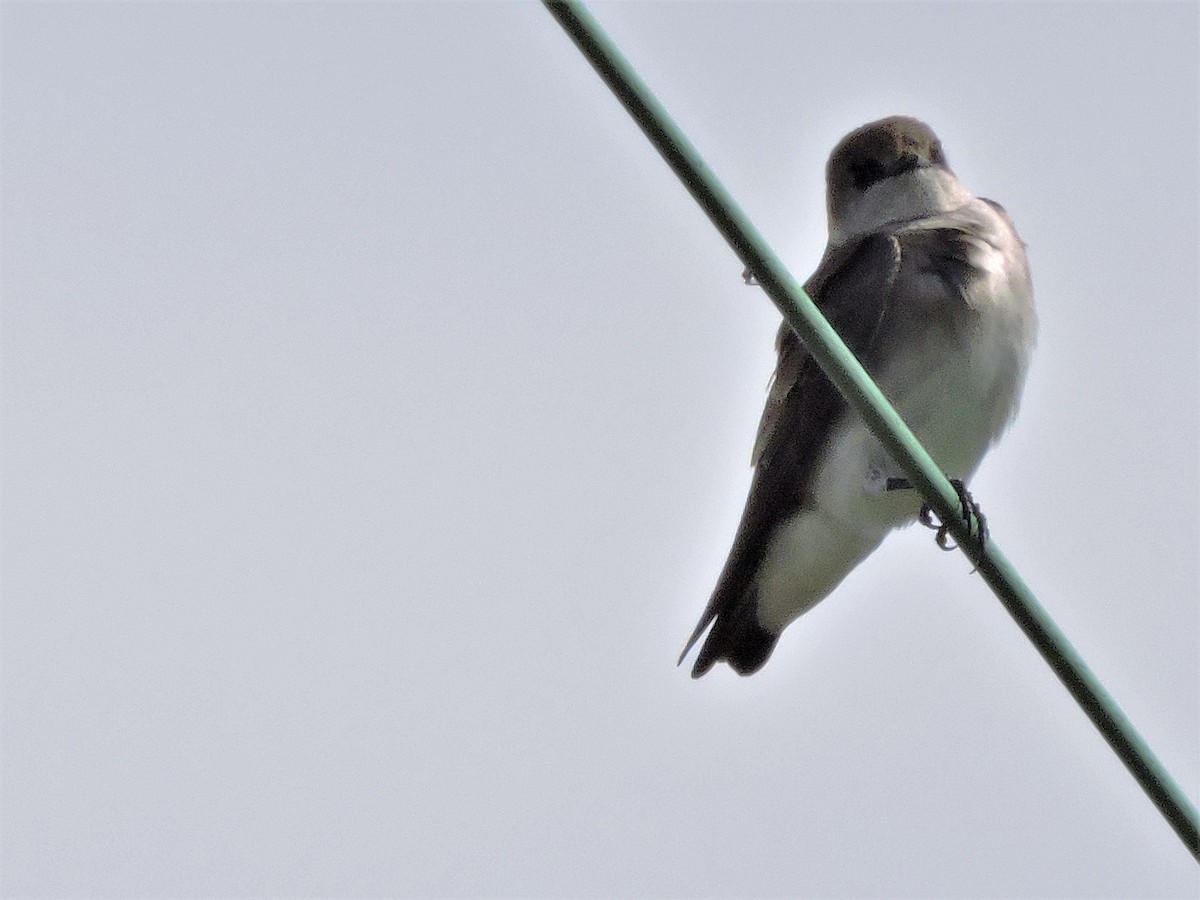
377, 411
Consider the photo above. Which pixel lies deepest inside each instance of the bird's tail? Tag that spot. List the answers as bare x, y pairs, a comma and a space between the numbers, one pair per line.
735, 637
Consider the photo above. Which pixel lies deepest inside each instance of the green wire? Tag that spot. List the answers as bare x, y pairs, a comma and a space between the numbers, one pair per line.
865, 397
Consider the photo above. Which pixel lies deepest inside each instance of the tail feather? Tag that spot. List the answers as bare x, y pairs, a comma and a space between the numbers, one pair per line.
735, 637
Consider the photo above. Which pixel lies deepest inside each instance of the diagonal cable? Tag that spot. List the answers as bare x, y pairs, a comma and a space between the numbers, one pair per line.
865, 398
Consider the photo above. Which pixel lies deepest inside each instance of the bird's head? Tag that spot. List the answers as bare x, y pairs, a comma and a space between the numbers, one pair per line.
888, 171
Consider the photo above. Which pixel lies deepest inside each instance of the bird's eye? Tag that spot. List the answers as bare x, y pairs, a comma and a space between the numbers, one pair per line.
866, 172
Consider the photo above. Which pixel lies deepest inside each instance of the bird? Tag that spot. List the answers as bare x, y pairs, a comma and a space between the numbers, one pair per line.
929, 286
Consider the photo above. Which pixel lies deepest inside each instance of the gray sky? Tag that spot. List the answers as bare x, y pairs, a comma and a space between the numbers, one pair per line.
376, 418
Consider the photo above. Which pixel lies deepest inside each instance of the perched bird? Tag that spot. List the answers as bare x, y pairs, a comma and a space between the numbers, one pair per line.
929, 287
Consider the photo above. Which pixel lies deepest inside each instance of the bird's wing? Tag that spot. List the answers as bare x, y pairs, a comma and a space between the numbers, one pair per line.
850, 287
854, 288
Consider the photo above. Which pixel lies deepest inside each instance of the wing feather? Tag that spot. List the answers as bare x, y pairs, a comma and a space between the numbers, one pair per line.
852, 288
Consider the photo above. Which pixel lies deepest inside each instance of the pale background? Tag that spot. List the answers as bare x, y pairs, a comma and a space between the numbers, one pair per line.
376, 418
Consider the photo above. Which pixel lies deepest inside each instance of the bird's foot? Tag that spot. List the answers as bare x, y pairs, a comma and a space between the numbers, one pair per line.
748, 277
972, 515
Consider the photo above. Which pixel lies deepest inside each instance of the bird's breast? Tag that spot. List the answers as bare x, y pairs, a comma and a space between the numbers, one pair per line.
957, 389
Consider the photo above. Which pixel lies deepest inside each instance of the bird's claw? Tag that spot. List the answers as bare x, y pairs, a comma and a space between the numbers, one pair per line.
929, 520
748, 277
970, 512
972, 516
